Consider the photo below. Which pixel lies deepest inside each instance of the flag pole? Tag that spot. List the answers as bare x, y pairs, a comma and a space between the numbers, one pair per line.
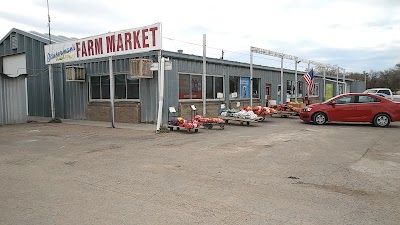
308, 88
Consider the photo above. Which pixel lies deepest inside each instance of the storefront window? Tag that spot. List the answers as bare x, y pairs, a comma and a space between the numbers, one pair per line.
219, 85
190, 86
196, 86
95, 87
341, 89
256, 87
316, 90
290, 88
184, 86
105, 87
300, 89
234, 85
124, 88
133, 88
120, 87
209, 87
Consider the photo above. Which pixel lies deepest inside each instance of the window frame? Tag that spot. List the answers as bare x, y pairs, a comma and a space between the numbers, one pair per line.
300, 89
316, 90
292, 90
258, 89
190, 86
115, 99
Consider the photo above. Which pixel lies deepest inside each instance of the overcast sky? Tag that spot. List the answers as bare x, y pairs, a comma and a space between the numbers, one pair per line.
358, 35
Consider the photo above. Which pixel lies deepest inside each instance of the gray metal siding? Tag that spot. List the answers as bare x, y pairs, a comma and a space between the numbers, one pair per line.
148, 88
70, 97
37, 84
75, 99
267, 76
12, 100
171, 89
357, 86
38, 80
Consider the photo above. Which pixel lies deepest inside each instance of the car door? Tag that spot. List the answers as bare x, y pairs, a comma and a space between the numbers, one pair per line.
366, 108
342, 109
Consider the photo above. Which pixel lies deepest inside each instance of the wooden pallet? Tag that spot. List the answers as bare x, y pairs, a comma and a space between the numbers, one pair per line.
211, 125
286, 113
172, 128
242, 121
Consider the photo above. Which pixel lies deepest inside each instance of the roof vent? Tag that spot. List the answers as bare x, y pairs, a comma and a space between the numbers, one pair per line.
14, 41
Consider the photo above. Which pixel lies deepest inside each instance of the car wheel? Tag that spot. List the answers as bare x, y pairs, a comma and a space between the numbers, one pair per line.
381, 120
319, 118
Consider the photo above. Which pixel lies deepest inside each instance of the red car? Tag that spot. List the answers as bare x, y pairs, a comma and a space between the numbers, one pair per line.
353, 107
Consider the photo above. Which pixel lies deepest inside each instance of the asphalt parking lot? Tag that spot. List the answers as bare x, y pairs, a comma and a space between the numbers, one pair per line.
281, 171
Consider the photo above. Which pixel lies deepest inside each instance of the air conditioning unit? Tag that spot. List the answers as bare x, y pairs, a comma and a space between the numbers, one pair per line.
141, 68
75, 73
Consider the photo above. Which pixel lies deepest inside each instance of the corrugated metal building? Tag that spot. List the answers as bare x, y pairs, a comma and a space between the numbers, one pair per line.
29, 47
12, 99
136, 99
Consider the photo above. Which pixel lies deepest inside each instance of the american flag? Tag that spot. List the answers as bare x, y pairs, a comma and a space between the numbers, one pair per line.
309, 78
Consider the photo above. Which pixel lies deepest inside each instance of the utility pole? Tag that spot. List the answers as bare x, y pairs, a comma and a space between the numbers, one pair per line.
48, 17
365, 82
51, 82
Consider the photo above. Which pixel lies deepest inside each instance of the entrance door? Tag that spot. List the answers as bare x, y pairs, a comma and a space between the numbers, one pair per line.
268, 93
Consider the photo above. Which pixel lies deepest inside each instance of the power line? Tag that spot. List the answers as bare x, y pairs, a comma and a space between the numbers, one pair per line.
230, 51
220, 49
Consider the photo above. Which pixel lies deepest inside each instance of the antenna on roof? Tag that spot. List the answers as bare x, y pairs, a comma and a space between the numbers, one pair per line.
48, 15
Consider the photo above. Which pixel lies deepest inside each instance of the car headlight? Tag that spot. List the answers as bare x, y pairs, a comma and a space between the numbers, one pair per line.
307, 109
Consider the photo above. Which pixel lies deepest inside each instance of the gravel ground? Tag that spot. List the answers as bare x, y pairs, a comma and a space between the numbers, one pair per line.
281, 171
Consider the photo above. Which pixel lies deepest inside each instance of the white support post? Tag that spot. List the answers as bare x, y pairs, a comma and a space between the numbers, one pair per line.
324, 84
51, 84
112, 93
281, 100
295, 80
26, 96
308, 70
344, 81
337, 81
159, 108
160, 92
251, 77
203, 86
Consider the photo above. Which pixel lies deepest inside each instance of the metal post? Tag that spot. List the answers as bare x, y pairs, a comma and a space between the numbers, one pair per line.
48, 17
344, 81
159, 109
324, 96
111, 91
337, 81
251, 78
308, 70
295, 80
203, 86
26, 96
282, 99
161, 93
51, 83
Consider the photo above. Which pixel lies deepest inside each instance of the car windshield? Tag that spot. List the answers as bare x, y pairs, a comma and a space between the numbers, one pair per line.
370, 91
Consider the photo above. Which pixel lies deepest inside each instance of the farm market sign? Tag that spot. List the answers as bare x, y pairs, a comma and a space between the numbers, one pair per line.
124, 42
